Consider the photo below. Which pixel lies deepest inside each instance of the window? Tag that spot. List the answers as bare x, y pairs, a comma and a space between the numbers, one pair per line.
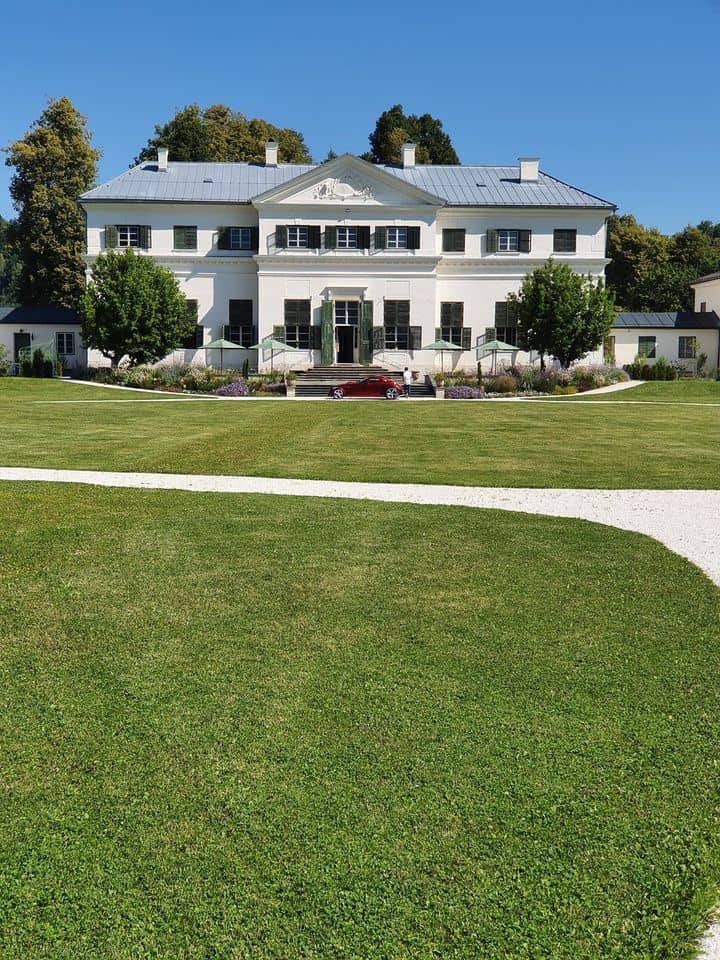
297, 324
241, 238
453, 241
347, 312
65, 344
451, 321
185, 238
646, 347
297, 236
397, 238
687, 348
195, 339
564, 241
397, 324
347, 238
505, 323
703, 306
128, 236
508, 241
240, 329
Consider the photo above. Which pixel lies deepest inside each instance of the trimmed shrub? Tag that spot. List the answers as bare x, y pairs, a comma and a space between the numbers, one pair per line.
564, 391
464, 393
237, 388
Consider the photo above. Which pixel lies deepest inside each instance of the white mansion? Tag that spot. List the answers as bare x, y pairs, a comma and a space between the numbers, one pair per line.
348, 261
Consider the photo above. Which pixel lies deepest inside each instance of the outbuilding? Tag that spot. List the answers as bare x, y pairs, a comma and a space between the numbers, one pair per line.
54, 330
678, 336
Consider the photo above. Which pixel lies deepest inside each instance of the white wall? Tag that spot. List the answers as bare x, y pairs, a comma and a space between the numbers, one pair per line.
667, 344
708, 293
42, 334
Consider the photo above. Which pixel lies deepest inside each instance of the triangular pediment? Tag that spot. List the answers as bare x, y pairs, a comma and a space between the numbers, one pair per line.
348, 181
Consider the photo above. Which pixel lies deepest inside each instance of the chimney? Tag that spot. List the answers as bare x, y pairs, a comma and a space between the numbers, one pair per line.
529, 169
271, 154
162, 158
408, 155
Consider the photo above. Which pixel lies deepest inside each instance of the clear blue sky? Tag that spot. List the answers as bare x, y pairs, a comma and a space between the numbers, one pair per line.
620, 98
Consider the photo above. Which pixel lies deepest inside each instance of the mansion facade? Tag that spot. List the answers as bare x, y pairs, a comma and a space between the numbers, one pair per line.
347, 261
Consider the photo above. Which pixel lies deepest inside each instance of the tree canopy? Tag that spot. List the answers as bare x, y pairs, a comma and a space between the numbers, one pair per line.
9, 265
652, 271
54, 163
394, 128
562, 313
133, 307
218, 133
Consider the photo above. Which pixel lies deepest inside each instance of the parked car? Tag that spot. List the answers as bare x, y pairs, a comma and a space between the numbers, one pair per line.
369, 387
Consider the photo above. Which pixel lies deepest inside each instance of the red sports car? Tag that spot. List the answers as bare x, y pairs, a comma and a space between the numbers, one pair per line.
369, 387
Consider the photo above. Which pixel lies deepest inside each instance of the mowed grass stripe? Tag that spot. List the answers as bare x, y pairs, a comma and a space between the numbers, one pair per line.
248, 727
537, 445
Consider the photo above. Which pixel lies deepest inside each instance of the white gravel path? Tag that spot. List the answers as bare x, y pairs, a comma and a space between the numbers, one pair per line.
685, 521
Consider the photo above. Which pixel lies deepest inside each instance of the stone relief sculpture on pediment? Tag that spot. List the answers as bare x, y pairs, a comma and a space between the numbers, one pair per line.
343, 189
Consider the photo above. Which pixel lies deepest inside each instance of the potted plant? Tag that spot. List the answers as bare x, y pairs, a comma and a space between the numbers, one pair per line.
290, 378
439, 386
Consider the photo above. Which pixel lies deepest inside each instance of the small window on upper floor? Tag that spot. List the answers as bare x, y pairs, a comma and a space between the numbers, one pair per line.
508, 241
347, 238
297, 236
241, 238
564, 241
703, 306
128, 236
184, 238
453, 241
397, 238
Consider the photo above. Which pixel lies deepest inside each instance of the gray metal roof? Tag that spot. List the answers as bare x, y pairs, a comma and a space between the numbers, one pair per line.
706, 278
239, 182
683, 320
23, 316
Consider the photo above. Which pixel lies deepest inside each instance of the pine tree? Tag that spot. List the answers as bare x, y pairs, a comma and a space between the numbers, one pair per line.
54, 163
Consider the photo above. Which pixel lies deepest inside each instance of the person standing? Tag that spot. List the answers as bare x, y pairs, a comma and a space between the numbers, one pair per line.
407, 381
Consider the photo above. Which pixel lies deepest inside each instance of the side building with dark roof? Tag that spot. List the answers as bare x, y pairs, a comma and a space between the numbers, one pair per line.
54, 330
346, 261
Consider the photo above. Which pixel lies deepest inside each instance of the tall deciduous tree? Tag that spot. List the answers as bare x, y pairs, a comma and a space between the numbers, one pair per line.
218, 133
133, 308
9, 265
394, 128
54, 163
562, 313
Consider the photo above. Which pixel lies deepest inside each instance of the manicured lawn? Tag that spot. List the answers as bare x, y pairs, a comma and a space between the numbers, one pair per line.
562, 444
255, 727
673, 391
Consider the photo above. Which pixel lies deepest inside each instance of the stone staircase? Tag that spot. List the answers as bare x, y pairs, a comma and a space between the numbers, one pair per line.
317, 381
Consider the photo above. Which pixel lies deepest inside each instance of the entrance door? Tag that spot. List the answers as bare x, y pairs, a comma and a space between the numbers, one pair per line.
21, 345
347, 313
346, 344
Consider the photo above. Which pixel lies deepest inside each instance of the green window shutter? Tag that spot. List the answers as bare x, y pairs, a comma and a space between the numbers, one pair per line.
466, 338
314, 238
326, 336
458, 313
453, 241
491, 241
445, 309
378, 338
255, 238
389, 312
223, 241
415, 338
366, 319
281, 237
363, 238
279, 333
226, 331
315, 337
330, 238
111, 237
524, 240
240, 313
145, 236
185, 238
413, 238
460, 241
438, 333
403, 311
380, 238
501, 313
